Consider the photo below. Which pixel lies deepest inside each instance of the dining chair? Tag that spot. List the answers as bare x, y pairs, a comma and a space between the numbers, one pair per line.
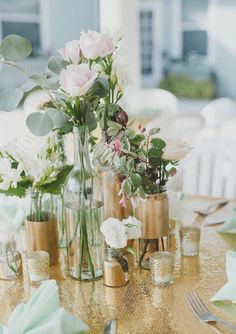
182, 127
150, 102
218, 111
210, 169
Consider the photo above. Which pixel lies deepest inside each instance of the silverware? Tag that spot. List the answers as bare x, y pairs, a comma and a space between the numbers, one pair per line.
110, 327
212, 207
202, 312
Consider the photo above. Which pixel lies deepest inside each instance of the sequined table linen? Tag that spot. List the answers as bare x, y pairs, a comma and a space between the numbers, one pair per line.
140, 307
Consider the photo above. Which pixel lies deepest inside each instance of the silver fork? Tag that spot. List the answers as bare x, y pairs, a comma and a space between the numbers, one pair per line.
202, 312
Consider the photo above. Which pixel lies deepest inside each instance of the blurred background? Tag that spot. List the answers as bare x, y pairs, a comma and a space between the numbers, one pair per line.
181, 57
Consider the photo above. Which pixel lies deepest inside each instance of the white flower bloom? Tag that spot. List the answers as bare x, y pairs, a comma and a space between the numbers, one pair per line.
33, 157
94, 44
10, 176
6, 232
175, 150
133, 227
114, 232
115, 33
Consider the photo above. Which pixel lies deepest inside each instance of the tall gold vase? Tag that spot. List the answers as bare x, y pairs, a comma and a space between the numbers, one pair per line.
112, 208
153, 212
43, 236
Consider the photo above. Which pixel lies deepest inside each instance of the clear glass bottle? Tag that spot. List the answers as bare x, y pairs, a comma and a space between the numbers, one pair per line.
10, 261
83, 214
115, 268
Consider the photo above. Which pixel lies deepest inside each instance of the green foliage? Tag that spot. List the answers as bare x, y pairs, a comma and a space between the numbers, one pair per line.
182, 86
55, 186
10, 98
15, 48
56, 65
40, 124
19, 191
58, 118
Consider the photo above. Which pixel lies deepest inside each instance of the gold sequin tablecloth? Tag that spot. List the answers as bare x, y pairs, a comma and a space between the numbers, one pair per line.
140, 307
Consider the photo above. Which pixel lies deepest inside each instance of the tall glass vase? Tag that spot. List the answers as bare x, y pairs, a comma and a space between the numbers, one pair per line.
83, 214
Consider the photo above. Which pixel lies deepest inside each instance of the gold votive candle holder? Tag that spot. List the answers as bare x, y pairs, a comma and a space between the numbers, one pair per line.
162, 268
38, 266
189, 239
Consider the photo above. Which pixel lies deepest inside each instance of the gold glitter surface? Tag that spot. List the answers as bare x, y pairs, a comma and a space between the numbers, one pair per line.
140, 307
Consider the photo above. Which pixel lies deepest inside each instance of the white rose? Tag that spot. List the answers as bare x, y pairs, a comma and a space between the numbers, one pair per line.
133, 227
94, 45
6, 232
76, 80
71, 52
114, 232
175, 150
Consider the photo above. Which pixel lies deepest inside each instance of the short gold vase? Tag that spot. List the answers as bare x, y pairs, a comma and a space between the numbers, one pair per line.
153, 212
43, 236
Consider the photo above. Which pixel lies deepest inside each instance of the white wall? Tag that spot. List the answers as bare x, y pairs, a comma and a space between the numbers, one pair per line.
225, 46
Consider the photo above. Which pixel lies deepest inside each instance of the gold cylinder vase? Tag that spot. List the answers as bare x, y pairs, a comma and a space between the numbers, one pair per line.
153, 212
43, 236
111, 190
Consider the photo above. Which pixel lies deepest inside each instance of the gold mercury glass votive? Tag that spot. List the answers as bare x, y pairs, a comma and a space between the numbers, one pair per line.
190, 239
38, 266
162, 268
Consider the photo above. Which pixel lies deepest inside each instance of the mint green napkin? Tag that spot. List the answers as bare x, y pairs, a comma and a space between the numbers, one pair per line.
230, 225
43, 314
13, 213
228, 291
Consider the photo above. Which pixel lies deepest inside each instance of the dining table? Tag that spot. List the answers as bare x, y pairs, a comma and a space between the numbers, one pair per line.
141, 307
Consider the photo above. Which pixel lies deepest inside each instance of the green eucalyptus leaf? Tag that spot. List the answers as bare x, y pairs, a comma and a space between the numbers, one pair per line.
126, 188
100, 88
154, 131
90, 120
141, 192
15, 48
138, 139
158, 143
59, 118
40, 124
56, 65
28, 86
43, 81
114, 125
130, 133
135, 180
10, 98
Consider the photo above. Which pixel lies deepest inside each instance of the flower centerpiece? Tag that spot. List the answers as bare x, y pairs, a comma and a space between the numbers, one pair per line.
146, 162
76, 81
31, 169
117, 233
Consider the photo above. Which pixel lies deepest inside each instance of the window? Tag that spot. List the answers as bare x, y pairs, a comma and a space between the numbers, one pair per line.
146, 26
194, 26
21, 18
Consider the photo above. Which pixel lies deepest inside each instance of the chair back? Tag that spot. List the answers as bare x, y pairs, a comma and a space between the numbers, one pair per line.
210, 169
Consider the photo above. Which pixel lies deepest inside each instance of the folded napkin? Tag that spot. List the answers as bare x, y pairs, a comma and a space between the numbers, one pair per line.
228, 292
230, 225
220, 216
43, 315
13, 213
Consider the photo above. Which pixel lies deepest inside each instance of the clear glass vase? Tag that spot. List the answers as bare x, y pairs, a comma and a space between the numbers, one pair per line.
83, 214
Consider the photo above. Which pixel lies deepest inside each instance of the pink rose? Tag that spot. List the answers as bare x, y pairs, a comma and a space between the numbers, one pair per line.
94, 45
71, 52
76, 80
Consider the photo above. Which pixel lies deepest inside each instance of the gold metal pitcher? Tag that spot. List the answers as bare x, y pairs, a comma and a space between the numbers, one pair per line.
43, 236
